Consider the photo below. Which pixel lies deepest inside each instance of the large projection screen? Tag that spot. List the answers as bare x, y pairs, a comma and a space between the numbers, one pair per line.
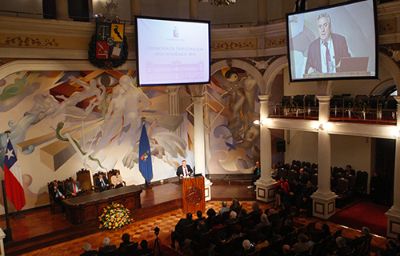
337, 42
172, 52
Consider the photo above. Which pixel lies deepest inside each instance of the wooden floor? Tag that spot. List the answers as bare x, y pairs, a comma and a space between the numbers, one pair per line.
38, 228
161, 206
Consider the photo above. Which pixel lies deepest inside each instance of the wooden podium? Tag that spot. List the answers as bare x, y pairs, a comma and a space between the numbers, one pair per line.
193, 197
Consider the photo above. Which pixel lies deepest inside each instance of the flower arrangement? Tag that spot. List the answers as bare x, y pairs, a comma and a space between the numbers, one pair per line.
114, 216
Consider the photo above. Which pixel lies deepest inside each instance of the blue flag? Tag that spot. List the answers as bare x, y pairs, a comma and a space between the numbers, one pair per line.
145, 165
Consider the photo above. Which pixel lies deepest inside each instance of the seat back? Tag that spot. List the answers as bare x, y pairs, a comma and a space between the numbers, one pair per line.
83, 177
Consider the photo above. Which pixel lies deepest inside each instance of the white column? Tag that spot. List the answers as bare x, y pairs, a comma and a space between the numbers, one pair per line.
62, 9
135, 9
393, 215
262, 12
2, 237
173, 100
324, 199
199, 147
193, 9
265, 186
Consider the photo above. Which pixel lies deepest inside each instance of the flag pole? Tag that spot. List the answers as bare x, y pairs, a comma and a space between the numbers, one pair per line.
7, 230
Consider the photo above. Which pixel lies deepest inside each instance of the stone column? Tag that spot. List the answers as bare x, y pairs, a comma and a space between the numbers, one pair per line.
265, 185
393, 215
262, 12
173, 100
197, 92
324, 199
62, 10
193, 9
135, 9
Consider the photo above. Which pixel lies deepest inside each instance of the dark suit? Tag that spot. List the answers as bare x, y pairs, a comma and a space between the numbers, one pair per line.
70, 188
102, 185
180, 172
109, 250
90, 253
314, 52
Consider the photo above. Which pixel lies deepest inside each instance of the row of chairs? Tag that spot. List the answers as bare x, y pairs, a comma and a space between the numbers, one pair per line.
363, 107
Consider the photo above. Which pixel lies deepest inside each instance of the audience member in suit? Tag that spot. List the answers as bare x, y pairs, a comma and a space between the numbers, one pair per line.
144, 249
88, 250
256, 172
181, 228
127, 248
224, 208
107, 249
58, 194
200, 218
235, 206
73, 188
184, 170
102, 182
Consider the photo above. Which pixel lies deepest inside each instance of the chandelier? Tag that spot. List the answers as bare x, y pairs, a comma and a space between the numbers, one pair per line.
219, 2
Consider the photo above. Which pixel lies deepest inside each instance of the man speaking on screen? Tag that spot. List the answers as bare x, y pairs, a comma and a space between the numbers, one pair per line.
325, 52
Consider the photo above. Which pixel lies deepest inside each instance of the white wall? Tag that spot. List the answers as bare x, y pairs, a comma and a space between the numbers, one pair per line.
27, 6
353, 150
165, 8
301, 146
123, 10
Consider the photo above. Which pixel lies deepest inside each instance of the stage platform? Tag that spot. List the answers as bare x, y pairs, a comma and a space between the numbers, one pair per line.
39, 228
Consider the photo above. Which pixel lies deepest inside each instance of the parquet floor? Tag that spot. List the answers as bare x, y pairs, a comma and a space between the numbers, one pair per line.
143, 229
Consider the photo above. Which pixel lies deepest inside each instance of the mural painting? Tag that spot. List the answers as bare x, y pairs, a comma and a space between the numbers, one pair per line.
60, 122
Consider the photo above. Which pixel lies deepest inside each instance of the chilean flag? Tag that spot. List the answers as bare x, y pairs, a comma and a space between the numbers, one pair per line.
13, 178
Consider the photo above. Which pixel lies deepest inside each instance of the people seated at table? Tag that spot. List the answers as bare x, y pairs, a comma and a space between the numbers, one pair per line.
73, 187
107, 249
87, 248
101, 182
58, 194
116, 180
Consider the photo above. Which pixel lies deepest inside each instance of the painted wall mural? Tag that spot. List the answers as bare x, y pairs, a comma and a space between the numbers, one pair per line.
60, 122
234, 139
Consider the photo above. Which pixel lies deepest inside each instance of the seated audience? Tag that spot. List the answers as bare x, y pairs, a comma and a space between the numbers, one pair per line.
342, 248
235, 206
107, 249
362, 244
200, 218
102, 182
73, 188
116, 180
144, 249
182, 230
127, 248
88, 250
224, 208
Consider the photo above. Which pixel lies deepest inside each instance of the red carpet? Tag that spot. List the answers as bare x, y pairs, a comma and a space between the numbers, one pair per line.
363, 214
